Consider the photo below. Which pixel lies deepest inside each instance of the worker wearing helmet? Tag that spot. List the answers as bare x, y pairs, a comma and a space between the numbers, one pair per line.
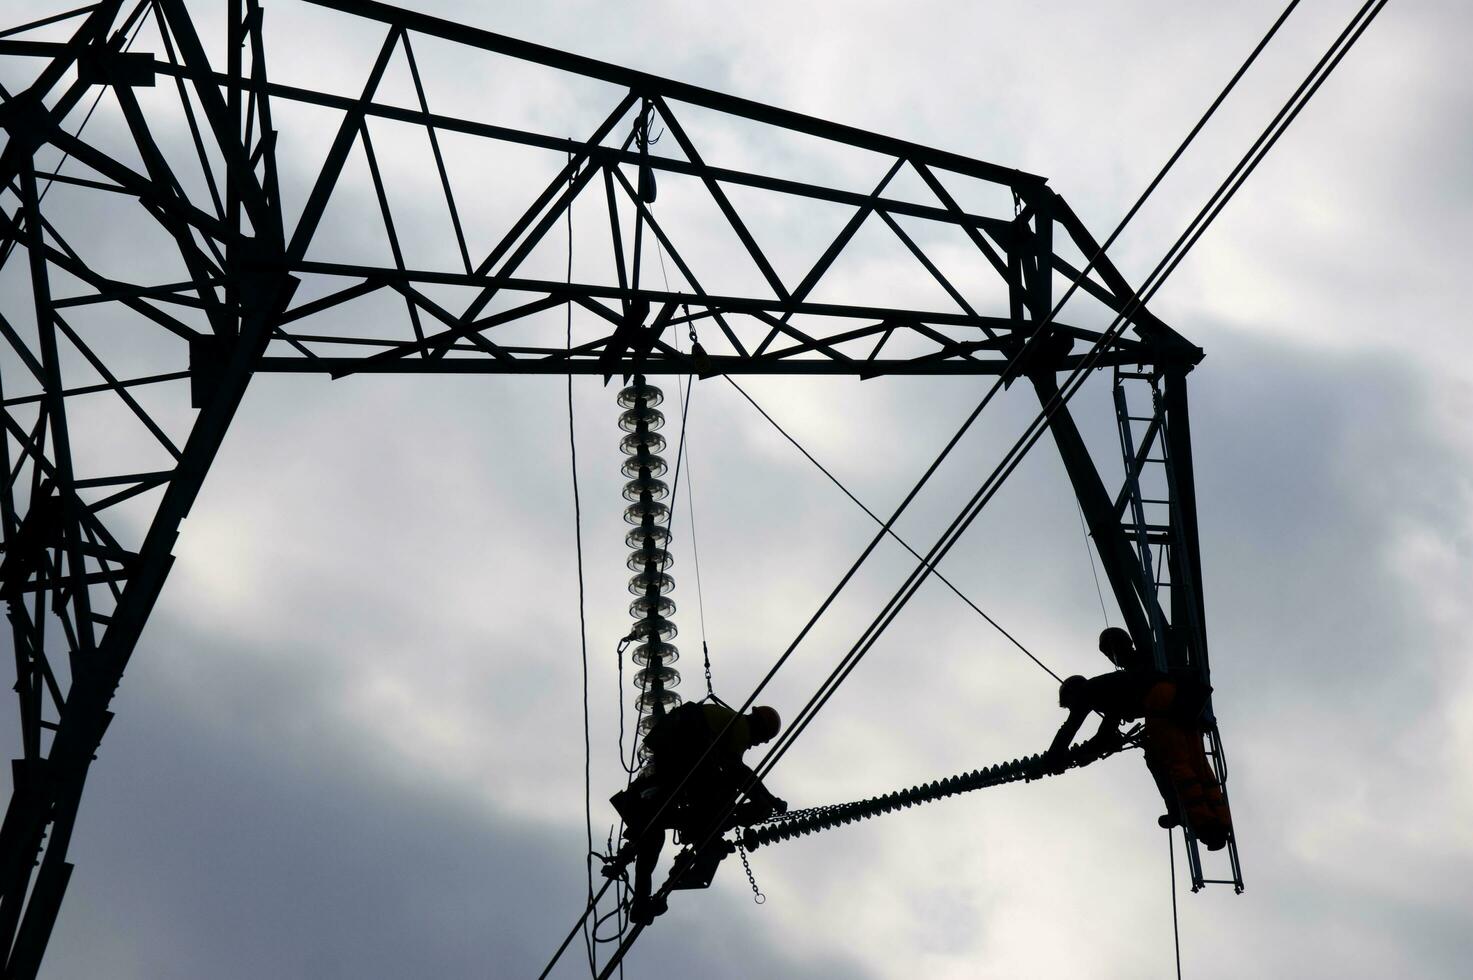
695, 777
1171, 706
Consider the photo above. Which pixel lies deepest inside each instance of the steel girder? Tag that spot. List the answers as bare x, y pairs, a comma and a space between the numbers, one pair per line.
238, 270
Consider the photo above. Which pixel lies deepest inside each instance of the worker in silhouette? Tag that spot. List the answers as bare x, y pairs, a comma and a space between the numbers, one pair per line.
1171, 705
691, 790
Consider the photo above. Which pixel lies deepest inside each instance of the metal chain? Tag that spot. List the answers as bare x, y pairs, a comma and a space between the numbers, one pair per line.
757, 895
706, 652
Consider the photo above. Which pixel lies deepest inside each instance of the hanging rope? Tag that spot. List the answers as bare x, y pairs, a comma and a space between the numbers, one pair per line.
1060, 397
1163, 270
1175, 929
588, 933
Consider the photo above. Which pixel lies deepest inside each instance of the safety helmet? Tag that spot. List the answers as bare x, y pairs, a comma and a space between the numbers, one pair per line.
763, 724
1116, 644
1072, 691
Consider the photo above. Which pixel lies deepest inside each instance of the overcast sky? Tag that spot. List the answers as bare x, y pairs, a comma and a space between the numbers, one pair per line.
350, 743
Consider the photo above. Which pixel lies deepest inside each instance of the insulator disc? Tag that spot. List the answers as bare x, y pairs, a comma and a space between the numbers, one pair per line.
667, 676
658, 604
648, 700
634, 394
636, 512
645, 724
642, 418
652, 441
655, 464
643, 583
658, 534
657, 625
668, 652
650, 555
641, 485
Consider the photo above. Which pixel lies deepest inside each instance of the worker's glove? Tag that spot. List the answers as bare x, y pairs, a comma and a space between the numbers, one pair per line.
779, 806
1103, 744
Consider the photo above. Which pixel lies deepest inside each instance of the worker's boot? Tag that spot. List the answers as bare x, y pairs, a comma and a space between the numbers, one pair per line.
644, 908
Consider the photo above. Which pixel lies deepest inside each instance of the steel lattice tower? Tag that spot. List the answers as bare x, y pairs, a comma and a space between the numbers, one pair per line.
243, 274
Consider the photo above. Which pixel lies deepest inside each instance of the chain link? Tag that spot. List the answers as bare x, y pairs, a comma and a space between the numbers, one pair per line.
757, 895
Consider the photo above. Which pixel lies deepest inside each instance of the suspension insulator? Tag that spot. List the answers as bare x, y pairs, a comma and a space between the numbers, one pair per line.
658, 605
658, 626
649, 554
647, 440
637, 488
640, 392
657, 533
645, 654
649, 557
656, 696
641, 418
652, 676
651, 464
651, 580
643, 510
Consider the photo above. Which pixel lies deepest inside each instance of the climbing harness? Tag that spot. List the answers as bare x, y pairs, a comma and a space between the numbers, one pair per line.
797, 823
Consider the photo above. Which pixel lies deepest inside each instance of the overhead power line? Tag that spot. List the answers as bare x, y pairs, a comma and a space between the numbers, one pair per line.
1162, 271
1169, 262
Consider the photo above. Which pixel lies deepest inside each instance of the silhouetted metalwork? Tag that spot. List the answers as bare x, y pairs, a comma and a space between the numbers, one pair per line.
649, 557
797, 823
119, 380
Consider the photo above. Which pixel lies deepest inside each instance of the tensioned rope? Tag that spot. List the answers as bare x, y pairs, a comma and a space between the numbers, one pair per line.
1016, 358
1117, 326
1321, 71
690, 503
1061, 395
1093, 571
894, 536
1189, 237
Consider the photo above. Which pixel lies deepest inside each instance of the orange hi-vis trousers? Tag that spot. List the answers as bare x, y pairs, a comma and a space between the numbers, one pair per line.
1176, 759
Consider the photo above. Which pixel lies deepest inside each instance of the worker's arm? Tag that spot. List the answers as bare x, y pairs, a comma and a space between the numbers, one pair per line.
1106, 738
757, 794
1056, 759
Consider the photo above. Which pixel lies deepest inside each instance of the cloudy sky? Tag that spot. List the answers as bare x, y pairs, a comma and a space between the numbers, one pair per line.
350, 743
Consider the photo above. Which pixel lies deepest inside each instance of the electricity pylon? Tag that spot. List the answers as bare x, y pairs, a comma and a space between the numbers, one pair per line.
253, 248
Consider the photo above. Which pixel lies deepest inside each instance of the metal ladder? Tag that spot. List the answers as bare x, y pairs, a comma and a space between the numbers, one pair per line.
1148, 506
